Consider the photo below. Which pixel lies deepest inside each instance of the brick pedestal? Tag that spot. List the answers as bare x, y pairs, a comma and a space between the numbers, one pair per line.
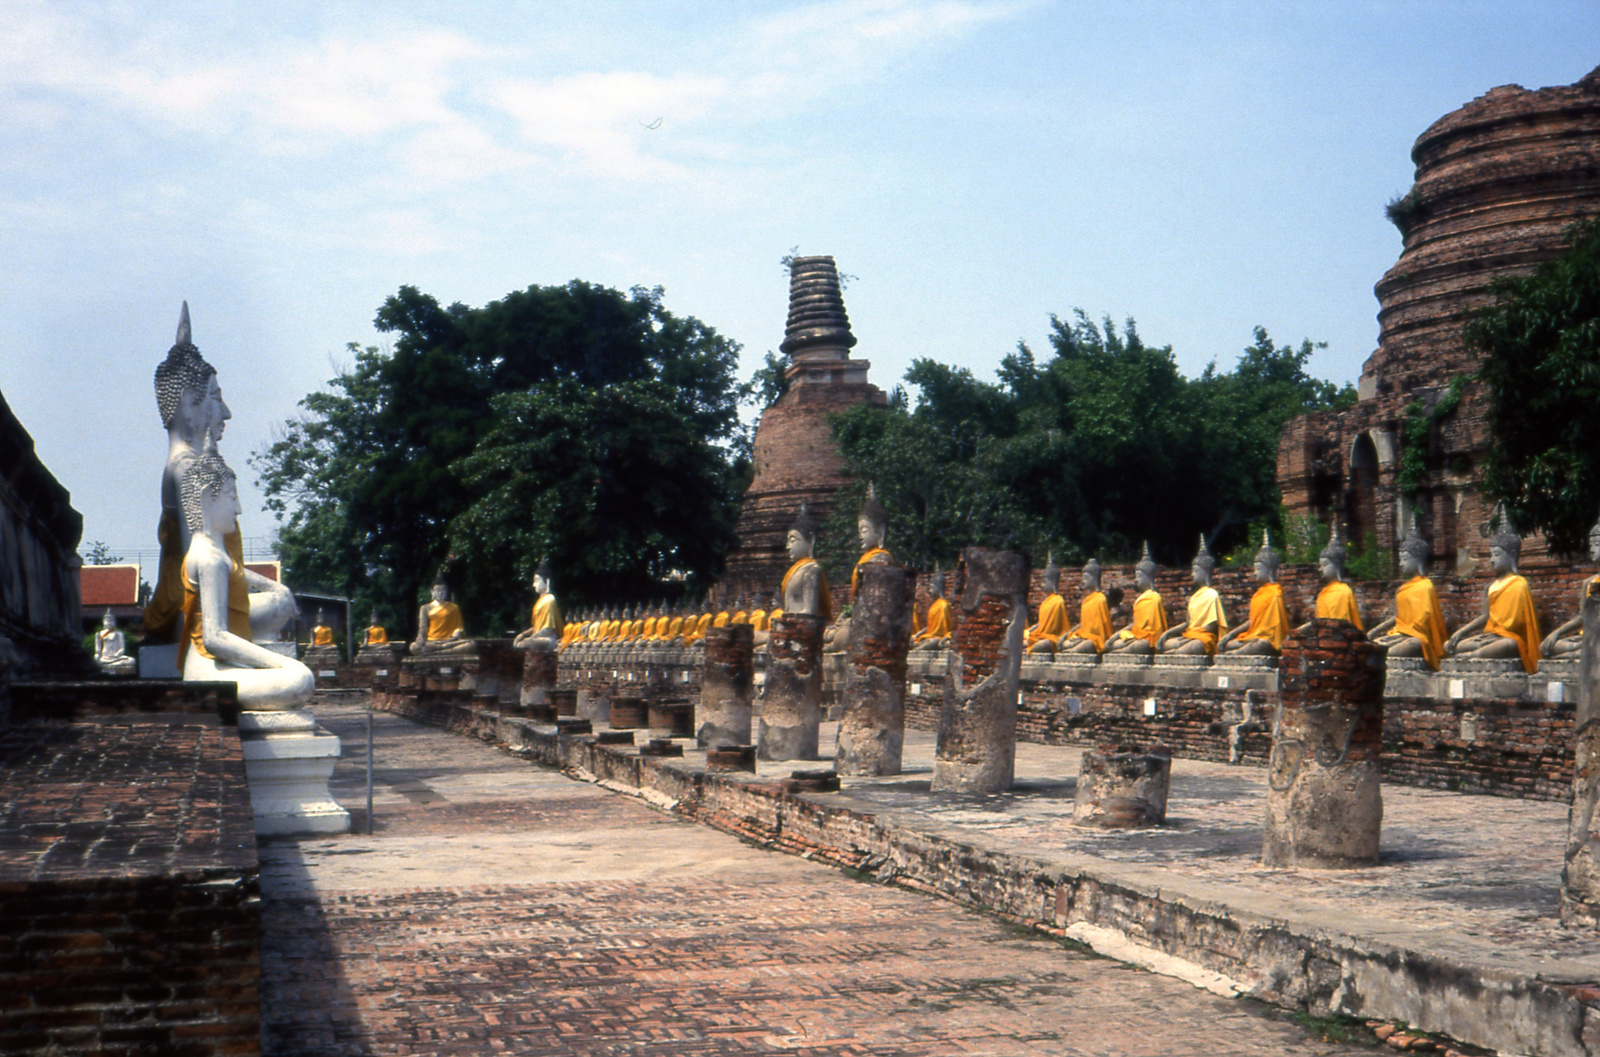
538, 677
872, 729
727, 687
977, 746
1324, 802
791, 696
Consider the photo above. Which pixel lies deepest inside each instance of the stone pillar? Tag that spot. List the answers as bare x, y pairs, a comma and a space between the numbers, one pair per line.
1580, 872
1324, 802
727, 686
978, 721
791, 696
538, 677
1122, 789
873, 727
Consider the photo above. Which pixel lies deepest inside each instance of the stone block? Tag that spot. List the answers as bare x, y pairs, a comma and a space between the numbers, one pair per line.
977, 740
872, 726
1122, 790
791, 692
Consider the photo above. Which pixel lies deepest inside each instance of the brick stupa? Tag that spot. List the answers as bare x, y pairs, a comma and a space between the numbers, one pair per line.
795, 455
1497, 183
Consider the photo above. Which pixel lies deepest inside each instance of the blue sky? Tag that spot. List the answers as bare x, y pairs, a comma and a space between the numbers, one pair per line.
977, 165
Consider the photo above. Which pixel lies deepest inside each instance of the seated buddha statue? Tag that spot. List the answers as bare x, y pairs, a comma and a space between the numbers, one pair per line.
544, 632
1269, 617
804, 589
741, 611
1052, 622
1149, 621
321, 633
439, 624
1417, 628
1567, 640
111, 648
218, 641
1206, 621
935, 633
1094, 628
321, 650
1336, 600
1509, 626
375, 644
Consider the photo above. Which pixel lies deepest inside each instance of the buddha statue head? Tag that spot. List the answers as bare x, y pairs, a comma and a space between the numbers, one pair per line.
440, 591
541, 579
1505, 546
1091, 575
1051, 575
936, 584
108, 622
1414, 552
802, 538
872, 524
1203, 564
1594, 543
1144, 571
1330, 563
209, 494
188, 395
322, 618
373, 623
1267, 560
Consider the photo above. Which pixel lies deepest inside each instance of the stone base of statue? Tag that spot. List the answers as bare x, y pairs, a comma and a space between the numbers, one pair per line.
1481, 677
538, 677
122, 668
1407, 677
1122, 790
977, 743
1324, 799
386, 654
287, 763
322, 659
791, 694
727, 687
872, 727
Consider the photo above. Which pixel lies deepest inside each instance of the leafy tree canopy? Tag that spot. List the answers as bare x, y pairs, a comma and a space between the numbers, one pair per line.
556, 422
1540, 339
1089, 453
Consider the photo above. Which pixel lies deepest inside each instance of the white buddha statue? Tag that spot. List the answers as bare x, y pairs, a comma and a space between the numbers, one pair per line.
111, 648
805, 587
544, 630
219, 605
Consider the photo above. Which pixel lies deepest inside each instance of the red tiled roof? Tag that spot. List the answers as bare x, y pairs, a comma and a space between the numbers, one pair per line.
109, 585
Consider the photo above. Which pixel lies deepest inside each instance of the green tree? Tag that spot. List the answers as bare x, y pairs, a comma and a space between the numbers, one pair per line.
96, 552
372, 480
1540, 339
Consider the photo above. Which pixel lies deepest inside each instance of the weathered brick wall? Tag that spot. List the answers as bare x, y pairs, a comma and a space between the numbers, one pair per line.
129, 889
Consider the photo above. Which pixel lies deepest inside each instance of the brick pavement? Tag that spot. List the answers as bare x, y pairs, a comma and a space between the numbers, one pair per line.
500, 907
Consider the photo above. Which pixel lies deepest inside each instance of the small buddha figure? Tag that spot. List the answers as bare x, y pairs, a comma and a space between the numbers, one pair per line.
1509, 626
321, 633
723, 617
111, 648
377, 634
759, 618
804, 590
1149, 622
439, 625
1269, 617
741, 613
1207, 621
1336, 600
935, 635
674, 631
544, 626
1417, 628
1052, 623
1567, 640
1094, 617
218, 639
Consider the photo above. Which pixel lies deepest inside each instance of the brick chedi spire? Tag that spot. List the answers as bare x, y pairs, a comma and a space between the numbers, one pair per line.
796, 458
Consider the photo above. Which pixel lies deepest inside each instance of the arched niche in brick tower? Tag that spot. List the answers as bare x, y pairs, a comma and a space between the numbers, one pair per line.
1361, 490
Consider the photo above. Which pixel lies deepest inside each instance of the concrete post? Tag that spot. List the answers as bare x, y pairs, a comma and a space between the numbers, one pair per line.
873, 728
977, 746
1580, 872
791, 696
727, 687
1324, 801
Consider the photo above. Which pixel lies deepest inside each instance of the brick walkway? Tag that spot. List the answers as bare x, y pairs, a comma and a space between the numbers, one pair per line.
503, 908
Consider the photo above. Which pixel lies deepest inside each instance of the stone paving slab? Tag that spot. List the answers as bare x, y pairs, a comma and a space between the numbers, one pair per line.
501, 907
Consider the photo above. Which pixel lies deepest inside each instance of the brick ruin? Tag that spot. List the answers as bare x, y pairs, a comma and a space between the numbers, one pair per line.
1497, 183
796, 458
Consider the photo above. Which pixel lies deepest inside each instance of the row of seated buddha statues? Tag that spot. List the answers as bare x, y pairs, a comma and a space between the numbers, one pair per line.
662, 624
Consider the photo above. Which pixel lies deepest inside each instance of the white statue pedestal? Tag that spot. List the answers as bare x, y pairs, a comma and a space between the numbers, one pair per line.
287, 762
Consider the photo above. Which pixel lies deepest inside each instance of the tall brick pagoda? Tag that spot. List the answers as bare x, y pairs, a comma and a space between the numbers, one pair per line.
1497, 182
795, 456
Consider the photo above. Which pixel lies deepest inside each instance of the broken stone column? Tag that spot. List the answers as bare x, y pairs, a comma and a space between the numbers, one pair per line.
873, 728
538, 678
1580, 872
1324, 802
791, 696
1120, 787
727, 687
977, 746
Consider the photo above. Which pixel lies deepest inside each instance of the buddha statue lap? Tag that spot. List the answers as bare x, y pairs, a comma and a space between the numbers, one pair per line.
544, 632
1509, 627
936, 630
1566, 641
1094, 628
439, 625
1149, 622
1417, 628
111, 648
1269, 617
1206, 621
